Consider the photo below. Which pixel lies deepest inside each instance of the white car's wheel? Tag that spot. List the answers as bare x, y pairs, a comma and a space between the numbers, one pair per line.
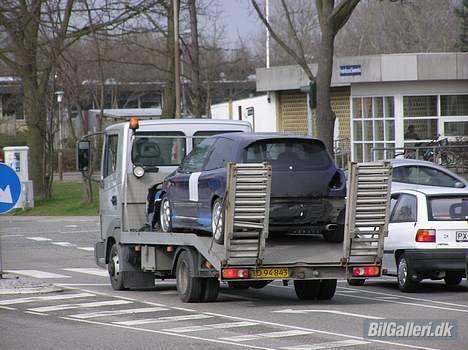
165, 218
405, 280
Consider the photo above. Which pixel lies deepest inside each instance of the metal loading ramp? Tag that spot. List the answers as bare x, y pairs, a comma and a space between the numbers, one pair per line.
246, 212
367, 211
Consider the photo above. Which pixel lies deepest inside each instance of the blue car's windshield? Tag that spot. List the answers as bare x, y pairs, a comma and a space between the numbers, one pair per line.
286, 153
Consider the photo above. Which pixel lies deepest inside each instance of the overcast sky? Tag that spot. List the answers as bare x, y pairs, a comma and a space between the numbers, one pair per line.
239, 18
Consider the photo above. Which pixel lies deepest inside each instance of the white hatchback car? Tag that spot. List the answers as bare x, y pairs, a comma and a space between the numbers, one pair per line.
428, 236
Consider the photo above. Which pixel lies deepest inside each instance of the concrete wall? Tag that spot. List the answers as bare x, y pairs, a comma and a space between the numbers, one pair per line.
374, 68
264, 109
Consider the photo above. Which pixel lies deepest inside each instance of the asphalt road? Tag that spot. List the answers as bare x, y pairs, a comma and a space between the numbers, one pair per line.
88, 314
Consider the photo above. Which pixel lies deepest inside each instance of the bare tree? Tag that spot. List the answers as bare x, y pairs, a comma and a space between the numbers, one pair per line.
332, 17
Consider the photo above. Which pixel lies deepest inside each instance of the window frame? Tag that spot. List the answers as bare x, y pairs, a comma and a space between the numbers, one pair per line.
399, 196
105, 172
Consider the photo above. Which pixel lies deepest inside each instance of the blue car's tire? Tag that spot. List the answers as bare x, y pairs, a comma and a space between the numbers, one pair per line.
217, 221
165, 215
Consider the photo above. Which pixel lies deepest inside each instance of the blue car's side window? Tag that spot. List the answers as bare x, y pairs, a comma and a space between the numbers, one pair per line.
196, 159
221, 155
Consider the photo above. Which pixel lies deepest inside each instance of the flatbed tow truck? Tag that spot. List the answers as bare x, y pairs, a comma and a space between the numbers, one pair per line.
138, 257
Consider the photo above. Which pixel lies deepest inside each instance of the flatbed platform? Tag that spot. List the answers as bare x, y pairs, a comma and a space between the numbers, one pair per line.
290, 250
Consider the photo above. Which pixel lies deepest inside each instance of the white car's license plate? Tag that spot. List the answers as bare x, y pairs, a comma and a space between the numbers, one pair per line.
462, 236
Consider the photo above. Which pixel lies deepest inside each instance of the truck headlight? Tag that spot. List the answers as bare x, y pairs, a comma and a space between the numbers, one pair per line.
138, 171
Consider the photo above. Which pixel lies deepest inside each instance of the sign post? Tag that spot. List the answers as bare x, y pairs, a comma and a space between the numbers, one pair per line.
10, 192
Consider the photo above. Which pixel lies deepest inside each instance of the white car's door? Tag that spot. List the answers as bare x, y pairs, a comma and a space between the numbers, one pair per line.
401, 229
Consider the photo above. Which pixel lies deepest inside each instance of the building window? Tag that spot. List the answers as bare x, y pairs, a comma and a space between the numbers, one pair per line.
373, 127
456, 128
420, 118
453, 105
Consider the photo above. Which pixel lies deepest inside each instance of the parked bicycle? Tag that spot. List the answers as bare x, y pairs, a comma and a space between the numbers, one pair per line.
434, 151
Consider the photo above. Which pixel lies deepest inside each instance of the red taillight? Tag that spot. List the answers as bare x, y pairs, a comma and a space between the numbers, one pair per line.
366, 271
426, 235
235, 273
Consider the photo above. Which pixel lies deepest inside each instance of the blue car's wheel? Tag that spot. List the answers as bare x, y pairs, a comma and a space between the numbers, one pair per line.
165, 215
217, 221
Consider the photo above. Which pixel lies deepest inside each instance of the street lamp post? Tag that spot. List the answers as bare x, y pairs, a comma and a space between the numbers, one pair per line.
59, 95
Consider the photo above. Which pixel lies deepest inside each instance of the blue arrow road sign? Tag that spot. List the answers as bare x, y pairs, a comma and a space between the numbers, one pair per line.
10, 188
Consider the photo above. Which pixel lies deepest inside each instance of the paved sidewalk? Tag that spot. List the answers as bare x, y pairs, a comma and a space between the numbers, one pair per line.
14, 284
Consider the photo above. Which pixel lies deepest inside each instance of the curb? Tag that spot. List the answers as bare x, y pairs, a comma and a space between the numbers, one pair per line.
13, 284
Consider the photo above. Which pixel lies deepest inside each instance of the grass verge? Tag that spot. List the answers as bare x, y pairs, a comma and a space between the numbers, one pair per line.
67, 200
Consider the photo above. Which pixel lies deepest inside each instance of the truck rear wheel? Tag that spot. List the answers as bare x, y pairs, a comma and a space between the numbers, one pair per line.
189, 288
327, 289
210, 289
113, 267
307, 289
452, 280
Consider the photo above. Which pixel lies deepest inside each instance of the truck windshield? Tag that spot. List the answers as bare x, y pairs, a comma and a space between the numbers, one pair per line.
448, 208
158, 148
286, 153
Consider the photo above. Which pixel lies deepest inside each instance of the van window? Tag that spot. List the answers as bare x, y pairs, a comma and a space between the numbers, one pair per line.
199, 136
158, 148
285, 153
110, 155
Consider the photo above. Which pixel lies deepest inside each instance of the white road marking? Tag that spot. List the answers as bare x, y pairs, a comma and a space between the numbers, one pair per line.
118, 312
394, 298
90, 271
71, 226
81, 284
401, 296
279, 334
406, 303
336, 312
45, 298
37, 274
182, 335
7, 308
168, 292
186, 336
39, 239
80, 305
10, 236
35, 313
210, 327
164, 319
329, 345
87, 249
64, 244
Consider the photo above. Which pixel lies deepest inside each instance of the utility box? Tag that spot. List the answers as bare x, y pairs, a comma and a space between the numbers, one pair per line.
16, 157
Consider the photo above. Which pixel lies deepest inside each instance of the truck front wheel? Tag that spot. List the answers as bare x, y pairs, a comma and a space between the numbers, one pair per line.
113, 267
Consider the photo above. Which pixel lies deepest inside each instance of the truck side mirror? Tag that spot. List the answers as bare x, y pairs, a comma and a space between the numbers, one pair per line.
83, 155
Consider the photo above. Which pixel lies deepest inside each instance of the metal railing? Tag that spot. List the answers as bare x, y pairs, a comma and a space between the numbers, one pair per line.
342, 152
453, 156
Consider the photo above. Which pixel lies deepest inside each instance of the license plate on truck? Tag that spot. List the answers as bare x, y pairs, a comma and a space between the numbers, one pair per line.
281, 272
462, 236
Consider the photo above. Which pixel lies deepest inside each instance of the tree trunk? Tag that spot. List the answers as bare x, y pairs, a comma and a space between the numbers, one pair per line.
195, 55
325, 117
169, 102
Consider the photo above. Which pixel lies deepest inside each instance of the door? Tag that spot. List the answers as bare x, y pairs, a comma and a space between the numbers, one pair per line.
110, 200
212, 181
184, 191
401, 229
